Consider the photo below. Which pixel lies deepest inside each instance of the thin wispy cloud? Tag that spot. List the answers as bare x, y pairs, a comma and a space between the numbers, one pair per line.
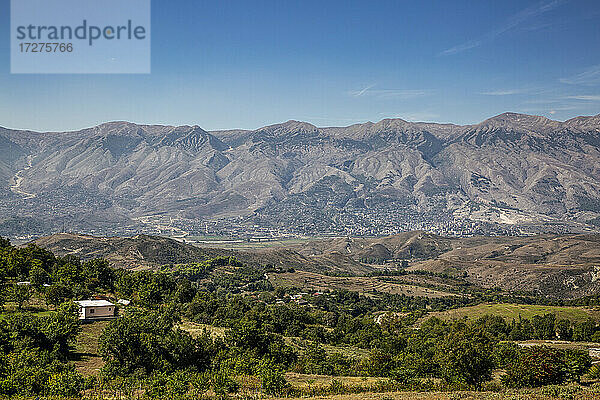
505, 92
511, 23
589, 77
400, 94
461, 47
542, 101
589, 14
585, 97
362, 92
389, 93
559, 110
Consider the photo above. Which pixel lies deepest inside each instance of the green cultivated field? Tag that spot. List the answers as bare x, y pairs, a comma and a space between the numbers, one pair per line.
86, 357
510, 311
229, 243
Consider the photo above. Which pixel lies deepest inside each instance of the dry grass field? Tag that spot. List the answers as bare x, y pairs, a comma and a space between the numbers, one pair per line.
86, 358
309, 380
530, 395
510, 311
365, 285
196, 329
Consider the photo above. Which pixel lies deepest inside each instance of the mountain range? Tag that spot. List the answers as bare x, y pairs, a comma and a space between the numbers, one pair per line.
513, 172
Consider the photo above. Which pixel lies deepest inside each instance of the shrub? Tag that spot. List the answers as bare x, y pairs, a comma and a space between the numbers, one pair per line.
336, 386
535, 366
406, 371
505, 354
163, 385
466, 357
272, 380
67, 383
567, 392
577, 363
223, 384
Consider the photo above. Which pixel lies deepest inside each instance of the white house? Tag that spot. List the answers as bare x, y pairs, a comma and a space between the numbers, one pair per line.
95, 309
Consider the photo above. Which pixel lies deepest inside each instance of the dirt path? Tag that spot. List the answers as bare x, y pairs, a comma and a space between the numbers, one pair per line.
18, 179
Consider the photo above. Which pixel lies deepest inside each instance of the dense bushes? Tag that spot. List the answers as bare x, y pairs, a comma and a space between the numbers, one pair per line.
271, 376
541, 365
145, 345
56, 279
315, 360
33, 353
465, 356
146, 342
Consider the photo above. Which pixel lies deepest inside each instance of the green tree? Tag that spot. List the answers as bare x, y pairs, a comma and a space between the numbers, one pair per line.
57, 294
563, 329
61, 328
272, 380
583, 331
19, 294
34, 353
465, 356
577, 363
25, 371
535, 366
505, 354
147, 341
69, 271
379, 363
248, 340
38, 276
99, 275
223, 384
494, 326
164, 385
67, 383
184, 292
408, 368
543, 327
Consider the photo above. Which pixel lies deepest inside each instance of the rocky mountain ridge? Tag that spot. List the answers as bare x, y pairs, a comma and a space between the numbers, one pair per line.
513, 170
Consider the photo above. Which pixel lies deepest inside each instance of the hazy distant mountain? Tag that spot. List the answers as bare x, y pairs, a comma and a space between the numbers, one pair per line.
513, 169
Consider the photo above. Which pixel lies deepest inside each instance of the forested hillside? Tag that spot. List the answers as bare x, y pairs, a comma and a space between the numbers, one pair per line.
559, 266
218, 327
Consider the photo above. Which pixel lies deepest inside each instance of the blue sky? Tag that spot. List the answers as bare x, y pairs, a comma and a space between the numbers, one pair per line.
246, 64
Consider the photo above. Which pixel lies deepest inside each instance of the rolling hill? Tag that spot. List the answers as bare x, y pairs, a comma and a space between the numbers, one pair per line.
561, 266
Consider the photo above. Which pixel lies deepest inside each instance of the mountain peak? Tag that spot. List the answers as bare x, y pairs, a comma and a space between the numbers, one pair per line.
287, 128
520, 121
517, 117
298, 125
586, 123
